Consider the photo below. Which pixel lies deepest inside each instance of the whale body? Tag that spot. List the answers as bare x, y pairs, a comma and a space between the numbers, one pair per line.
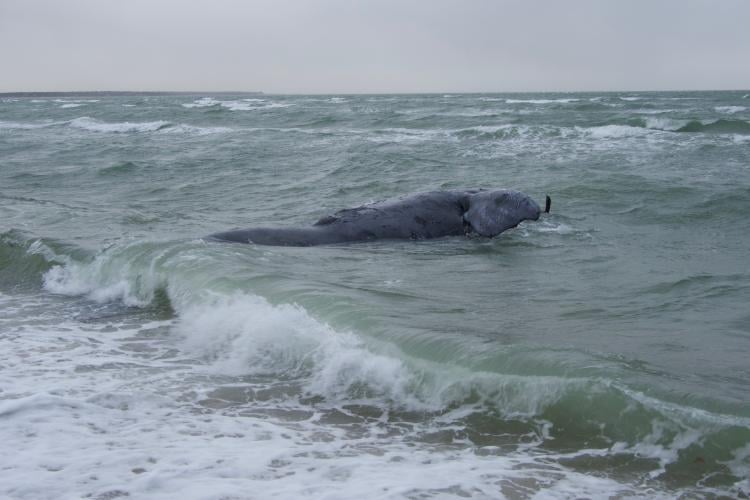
419, 216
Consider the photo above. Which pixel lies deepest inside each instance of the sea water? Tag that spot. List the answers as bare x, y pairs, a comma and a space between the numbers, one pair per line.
601, 351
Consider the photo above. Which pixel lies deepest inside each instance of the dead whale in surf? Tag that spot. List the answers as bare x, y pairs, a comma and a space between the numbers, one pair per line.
427, 215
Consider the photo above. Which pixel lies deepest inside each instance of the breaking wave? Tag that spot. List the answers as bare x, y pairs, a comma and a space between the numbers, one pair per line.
238, 333
93, 125
249, 104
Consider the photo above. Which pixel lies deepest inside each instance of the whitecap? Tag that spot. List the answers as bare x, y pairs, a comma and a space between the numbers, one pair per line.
63, 101
72, 105
653, 111
26, 126
203, 102
668, 124
541, 101
399, 135
730, 110
87, 123
252, 105
615, 131
193, 129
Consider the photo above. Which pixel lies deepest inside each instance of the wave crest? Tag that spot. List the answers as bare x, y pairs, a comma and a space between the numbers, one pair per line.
87, 123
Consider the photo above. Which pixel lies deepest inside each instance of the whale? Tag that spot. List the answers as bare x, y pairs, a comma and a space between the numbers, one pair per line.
434, 214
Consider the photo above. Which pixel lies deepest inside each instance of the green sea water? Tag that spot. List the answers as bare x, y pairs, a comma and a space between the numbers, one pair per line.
601, 351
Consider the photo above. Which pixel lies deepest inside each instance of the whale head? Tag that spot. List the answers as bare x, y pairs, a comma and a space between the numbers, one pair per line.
490, 213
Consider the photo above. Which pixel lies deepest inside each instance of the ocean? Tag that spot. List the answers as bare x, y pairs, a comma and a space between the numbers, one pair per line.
601, 351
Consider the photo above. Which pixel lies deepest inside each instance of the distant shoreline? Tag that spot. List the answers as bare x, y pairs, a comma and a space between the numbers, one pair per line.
124, 93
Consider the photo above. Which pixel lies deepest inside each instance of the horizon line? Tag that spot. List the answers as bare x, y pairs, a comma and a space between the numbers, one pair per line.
42, 93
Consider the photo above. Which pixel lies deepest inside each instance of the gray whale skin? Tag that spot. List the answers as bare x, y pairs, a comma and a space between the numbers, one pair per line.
419, 216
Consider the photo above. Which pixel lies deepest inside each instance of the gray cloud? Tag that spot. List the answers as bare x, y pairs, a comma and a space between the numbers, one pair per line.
333, 46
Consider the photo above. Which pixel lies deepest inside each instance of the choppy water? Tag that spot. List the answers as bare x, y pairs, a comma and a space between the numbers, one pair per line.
601, 351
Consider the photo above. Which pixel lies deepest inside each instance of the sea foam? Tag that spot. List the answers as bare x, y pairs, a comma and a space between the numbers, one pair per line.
93, 125
541, 101
249, 104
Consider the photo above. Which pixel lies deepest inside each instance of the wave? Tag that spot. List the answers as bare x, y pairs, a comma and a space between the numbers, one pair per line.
541, 101
24, 259
717, 127
730, 110
126, 167
249, 104
93, 125
203, 102
27, 126
160, 126
194, 129
238, 332
506, 131
615, 131
721, 126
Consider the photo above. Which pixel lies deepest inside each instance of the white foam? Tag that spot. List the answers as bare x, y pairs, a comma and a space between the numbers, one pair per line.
550, 227
244, 334
730, 110
161, 127
72, 105
142, 447
193, 129
615, 131
669, 124
653, 111
25, 126
477, 113
249, 104
83, 417
203, 102
631, 98
403, 135
252, 105
93, 125
540, 101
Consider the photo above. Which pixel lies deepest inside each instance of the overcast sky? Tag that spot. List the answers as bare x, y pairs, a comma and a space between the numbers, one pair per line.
338, 46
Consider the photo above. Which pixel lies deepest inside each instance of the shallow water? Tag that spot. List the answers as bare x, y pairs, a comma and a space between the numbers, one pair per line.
600, 351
